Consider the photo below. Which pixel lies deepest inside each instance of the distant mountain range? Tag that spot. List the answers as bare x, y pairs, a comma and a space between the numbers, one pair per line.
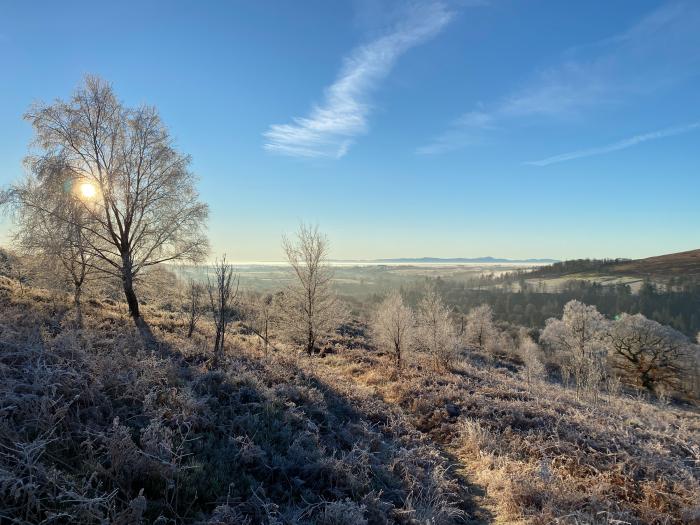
455, 260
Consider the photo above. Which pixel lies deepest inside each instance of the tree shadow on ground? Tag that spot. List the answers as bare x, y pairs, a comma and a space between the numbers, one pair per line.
414, 474
281, 439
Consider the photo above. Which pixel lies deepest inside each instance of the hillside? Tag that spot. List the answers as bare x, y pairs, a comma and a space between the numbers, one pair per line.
682, 264
463, 260
674, 264
98, 427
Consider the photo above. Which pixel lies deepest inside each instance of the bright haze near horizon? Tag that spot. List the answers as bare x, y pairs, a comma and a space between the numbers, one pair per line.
539, 129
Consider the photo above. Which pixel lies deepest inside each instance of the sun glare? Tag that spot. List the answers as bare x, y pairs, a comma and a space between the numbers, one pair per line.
87, 190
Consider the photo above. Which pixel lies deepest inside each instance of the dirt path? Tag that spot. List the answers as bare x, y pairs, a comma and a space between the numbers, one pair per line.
475, 502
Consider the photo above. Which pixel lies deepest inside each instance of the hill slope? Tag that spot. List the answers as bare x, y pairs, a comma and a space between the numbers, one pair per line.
674, 264
96, 427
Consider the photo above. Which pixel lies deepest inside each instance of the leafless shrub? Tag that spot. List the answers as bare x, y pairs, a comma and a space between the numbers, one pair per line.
436, 334
393, 326
479, 329
531, 355
194, 307
223, 292
262, 316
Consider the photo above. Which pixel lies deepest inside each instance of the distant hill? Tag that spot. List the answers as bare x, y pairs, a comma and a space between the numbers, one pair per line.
438, 260
683, 263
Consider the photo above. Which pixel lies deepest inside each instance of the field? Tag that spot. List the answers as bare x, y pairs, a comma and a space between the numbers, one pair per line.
359, 280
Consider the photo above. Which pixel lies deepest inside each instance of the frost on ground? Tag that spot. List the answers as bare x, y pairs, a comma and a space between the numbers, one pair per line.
95, 427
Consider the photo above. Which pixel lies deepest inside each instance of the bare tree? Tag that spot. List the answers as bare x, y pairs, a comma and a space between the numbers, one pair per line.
311, 308
648, 354
262, 315
530, 353
138, 192
479, 329
393, 326
579, 339
223, 292
436, 334
194, 306
53, 227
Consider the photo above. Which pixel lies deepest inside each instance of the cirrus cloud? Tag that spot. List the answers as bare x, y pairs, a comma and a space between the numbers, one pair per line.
330, 127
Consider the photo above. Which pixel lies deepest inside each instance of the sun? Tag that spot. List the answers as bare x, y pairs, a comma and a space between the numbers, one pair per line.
87, 190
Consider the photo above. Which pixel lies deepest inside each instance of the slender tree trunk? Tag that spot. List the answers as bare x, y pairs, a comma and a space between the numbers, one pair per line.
310, 342
131, 299
397, 351
78, 305
192, 321
220, 323
217, 345
266, 340
223, 333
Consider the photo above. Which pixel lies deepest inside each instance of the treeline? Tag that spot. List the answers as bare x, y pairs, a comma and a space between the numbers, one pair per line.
531, 307
575, 266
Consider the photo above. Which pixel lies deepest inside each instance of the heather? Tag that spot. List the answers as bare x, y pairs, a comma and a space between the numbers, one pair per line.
99, 426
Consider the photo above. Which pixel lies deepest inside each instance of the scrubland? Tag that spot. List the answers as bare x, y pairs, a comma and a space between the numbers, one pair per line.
97, 426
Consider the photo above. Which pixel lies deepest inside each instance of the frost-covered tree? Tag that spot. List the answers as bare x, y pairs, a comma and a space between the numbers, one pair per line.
530, 353
393, 326
479, 329
54, 227
311, 308
138, 193
578, 338
646, 353
436, 333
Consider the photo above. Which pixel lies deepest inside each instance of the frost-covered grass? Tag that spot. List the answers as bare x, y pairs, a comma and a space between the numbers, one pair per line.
97, 428
543, 455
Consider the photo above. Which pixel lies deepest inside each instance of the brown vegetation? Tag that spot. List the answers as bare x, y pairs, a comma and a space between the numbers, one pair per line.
97, 427
682, 263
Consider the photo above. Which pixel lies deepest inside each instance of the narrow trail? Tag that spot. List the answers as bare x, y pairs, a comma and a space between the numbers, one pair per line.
479, 508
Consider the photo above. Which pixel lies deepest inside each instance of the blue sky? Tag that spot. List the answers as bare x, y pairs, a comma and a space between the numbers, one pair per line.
467, 128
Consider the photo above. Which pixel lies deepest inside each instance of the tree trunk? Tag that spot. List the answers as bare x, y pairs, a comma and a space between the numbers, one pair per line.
266, 340
648, 382
192, 321
310, 343
223, 330
78, 306
218, 344
131, 299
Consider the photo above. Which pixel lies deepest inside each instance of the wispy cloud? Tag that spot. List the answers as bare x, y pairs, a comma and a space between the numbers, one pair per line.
616, 146
329, 129
660, 50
